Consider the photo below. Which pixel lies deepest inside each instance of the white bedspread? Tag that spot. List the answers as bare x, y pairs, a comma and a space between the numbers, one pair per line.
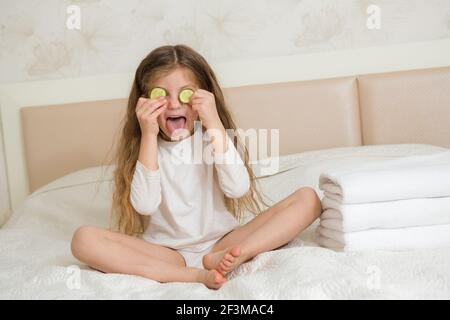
36, 263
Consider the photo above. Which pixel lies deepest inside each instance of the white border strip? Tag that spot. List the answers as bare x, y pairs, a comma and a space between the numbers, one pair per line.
322, 65
411, 56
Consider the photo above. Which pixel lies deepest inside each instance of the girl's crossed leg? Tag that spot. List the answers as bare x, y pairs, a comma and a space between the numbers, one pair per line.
113, 252
269, 230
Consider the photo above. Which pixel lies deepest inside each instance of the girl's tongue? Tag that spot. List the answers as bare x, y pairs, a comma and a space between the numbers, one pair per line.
175, 123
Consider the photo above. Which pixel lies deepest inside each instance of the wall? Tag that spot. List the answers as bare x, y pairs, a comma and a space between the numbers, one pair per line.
114, 35
4, 194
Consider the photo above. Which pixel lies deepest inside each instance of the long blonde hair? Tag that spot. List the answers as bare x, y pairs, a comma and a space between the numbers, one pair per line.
160, 61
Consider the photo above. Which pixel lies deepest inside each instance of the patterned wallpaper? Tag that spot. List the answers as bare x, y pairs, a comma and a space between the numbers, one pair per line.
114, 35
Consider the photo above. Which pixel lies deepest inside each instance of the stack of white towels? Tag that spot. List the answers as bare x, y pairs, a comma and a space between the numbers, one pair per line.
391, 204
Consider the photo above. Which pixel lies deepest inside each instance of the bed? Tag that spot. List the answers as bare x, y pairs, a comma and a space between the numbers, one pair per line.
339, 122
36, 262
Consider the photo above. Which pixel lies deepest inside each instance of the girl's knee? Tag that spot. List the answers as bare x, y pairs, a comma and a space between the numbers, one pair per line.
307, 197
83, 238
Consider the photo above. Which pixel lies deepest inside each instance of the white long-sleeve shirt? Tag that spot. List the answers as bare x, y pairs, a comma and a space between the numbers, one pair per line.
185, 196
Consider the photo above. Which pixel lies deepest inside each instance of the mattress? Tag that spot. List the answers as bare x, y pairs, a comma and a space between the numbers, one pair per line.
36, 261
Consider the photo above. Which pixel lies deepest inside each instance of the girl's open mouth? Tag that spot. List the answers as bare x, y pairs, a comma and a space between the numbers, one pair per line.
175, 123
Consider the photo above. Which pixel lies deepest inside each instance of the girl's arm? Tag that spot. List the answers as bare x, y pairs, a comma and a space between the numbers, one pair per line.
232, 173
233, 176
145, 193
148, 151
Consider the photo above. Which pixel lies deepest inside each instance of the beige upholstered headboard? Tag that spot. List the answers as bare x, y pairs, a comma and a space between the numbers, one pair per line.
404, 107
60, 139
397, 107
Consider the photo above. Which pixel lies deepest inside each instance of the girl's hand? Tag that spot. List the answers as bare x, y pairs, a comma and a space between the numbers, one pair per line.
204, 103
147, 112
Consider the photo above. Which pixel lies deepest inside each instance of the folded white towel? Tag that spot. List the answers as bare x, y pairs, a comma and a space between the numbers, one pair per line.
423, 176
384, 215
435, 236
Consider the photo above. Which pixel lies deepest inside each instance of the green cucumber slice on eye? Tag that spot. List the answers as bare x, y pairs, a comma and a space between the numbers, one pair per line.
157, 92
185, 95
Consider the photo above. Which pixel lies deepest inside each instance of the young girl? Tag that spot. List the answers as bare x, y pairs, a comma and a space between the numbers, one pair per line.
178, 220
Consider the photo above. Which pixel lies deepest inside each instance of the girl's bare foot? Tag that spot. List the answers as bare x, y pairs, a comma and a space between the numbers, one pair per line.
213, 279
224, 261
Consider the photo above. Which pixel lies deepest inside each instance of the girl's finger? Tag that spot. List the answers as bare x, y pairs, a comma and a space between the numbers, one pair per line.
201, 97
196, 100
140, 102
197, 95
159, 111
150, 110
195, 106
202, 93
143, 100
151, 104
156, 113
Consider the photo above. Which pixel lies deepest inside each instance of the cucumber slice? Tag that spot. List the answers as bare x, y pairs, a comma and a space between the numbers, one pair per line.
185, 95
157, 92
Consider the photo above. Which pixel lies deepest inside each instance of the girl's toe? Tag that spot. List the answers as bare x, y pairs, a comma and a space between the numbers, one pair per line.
227, 263
236, 251
230, 260
221, 270
218, 277
223, 266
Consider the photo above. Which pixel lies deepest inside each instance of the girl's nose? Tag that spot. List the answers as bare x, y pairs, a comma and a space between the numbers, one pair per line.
173, 102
